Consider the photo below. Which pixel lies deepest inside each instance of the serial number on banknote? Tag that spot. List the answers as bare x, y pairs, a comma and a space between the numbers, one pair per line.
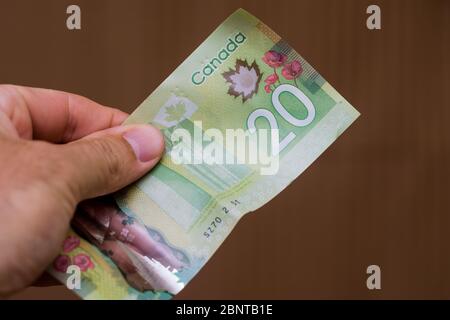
217, 221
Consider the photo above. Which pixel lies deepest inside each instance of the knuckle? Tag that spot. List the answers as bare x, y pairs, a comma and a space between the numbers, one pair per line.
107, 150
49, 166
9, 98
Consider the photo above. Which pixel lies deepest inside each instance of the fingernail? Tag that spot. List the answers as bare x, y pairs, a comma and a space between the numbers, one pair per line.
146, 141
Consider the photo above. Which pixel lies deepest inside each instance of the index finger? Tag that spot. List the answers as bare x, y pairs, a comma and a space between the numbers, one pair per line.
55, 116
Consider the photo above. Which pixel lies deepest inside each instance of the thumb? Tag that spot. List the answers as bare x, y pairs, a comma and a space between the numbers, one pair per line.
108, 160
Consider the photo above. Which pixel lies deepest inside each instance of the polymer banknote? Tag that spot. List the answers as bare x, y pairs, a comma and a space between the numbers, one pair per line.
152, 238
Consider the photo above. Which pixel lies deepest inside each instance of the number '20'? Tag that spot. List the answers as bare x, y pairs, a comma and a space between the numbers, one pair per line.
296, 92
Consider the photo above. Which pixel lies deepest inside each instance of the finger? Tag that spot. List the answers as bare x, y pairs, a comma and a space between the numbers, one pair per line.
108, 160
55, 116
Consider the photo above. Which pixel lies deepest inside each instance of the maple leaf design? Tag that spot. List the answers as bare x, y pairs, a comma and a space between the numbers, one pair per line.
175, 112
243, 79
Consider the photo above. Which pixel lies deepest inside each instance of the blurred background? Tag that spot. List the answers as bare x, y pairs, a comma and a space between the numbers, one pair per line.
379, 195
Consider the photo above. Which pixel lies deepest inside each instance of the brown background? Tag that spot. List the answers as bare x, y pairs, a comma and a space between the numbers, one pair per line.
379, 195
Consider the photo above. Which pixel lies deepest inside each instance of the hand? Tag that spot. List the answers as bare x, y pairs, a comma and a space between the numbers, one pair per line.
57, 149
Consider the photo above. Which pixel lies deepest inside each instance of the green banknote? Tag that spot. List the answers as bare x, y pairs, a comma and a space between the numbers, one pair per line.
242, 117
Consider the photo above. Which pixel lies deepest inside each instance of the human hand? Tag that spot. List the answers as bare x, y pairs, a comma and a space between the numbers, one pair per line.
57, 149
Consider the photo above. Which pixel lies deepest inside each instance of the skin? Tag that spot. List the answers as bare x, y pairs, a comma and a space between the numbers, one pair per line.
57, 149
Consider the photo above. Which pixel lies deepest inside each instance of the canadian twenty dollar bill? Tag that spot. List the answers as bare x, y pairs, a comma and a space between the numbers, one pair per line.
154, 236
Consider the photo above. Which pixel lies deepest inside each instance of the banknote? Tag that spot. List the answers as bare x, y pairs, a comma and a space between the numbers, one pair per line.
242, 117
